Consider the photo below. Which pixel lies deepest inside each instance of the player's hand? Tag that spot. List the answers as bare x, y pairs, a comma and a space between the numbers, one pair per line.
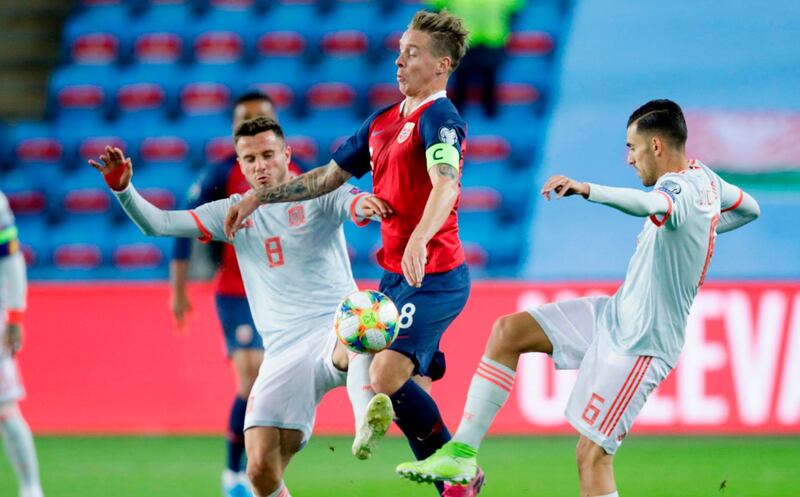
181, 308
117, 169
372, 206
13, 338
414, 259
564, 187
237, 213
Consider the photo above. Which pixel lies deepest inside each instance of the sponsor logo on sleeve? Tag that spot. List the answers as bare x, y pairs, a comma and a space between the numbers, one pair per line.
671, 188
354, 191
448, 135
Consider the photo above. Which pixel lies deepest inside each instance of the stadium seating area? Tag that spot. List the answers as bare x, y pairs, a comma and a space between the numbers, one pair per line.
157, 78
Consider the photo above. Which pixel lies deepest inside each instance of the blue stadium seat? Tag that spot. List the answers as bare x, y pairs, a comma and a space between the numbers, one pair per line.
145, 91
80, 92
350, 29
94, 36
514, 186
134, 255
25, 191
208, 89
81, 195
339, 88
80, 246
291, 26
161, 34
284, 79
160, 148
223, 36
521, 137
302, 138
31, 143
207, 136
495, 243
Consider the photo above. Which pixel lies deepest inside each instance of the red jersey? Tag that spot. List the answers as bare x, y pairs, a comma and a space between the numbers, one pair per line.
394, 149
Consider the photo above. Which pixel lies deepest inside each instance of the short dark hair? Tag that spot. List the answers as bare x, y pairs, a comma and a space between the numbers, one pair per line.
662, 116
252, 96
257, 125
447, 32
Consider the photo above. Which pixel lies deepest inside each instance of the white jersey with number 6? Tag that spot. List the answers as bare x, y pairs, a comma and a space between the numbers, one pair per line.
294, 261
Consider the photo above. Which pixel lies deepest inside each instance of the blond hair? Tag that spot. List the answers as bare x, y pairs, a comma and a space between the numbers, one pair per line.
447, 32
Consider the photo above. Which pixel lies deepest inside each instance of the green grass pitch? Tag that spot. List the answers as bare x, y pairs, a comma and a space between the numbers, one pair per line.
535, 466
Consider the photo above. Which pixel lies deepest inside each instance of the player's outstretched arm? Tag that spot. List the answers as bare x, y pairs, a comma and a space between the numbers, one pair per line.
737, 207
117, 171
628, 200
312, 184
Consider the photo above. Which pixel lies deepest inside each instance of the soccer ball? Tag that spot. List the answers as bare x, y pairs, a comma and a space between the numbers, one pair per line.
366, 321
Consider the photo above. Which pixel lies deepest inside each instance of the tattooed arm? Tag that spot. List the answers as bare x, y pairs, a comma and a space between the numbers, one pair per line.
439, 205
314, 183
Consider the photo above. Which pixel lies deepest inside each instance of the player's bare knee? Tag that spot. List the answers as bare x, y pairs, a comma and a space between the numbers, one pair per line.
590, 457
504, 338
264, 475
389, 371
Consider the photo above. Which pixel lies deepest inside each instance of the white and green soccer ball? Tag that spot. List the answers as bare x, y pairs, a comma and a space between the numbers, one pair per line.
366, 321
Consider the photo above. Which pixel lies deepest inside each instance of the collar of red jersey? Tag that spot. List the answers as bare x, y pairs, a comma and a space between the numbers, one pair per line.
435, 96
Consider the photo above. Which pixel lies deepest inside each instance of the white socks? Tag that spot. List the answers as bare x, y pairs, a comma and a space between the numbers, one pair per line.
487, 393
18, 442
612, 494
281, 492
359, 387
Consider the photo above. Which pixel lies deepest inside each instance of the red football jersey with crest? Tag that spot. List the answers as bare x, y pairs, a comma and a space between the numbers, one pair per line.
394, 149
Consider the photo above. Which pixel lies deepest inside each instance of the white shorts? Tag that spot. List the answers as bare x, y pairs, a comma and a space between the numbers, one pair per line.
611, 387
10, 383
291, 384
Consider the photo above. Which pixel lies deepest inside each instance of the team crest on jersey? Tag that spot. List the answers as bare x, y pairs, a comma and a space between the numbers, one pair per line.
671, 188
448, 136
405, 132
296, 216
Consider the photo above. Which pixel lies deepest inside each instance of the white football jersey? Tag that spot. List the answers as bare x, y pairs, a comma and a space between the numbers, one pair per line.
293, 259
647, 315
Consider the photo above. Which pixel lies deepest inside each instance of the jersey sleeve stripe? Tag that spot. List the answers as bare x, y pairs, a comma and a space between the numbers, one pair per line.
206, 234
354, 215
660, 222
737, 203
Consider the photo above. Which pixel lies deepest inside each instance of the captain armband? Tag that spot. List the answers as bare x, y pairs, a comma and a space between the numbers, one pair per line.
443, 153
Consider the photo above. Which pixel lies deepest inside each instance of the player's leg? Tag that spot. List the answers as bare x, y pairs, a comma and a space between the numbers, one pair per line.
595, 469
244, 346
563, 329
609, 392
269, 451
373, 413
18, 444
425, 314
511, 336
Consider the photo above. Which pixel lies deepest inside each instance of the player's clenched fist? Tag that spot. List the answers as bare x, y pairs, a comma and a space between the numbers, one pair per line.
117, 169
375, 206
564, 187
